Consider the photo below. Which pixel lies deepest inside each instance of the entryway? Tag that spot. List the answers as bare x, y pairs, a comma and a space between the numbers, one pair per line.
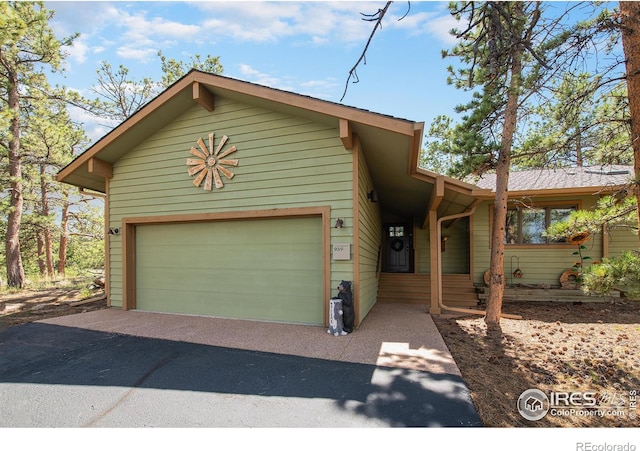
398, 256
457, 289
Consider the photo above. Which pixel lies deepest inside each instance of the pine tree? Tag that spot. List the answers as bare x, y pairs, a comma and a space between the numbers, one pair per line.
509, 51
28, 46
630, 27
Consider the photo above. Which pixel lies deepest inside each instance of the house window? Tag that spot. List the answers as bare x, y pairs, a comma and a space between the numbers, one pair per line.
396, 231
526, 225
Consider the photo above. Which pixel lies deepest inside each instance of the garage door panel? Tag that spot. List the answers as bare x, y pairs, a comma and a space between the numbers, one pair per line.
230, 256
262, 269
226, 281
263, 307
289, 270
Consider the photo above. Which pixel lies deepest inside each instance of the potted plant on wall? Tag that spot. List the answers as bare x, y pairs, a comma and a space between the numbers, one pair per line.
572, 278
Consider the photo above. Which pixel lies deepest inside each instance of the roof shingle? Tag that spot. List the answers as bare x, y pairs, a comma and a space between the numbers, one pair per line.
560, 178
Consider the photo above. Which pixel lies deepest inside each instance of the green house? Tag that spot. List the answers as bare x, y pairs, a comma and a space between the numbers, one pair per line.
537, 198
227, 198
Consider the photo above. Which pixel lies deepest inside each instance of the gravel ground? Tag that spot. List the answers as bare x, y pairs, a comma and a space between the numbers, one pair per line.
585, 348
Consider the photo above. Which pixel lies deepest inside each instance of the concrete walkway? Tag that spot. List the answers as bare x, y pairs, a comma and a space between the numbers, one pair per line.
393, 335
137, 369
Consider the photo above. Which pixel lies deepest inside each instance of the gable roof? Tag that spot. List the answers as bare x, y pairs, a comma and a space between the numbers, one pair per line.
392, 145
553, 181
181, 96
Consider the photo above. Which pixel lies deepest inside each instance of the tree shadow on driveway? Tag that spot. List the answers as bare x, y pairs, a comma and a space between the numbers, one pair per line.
39, 354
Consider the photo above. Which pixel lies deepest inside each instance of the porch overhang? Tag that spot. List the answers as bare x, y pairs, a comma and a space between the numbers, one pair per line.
406, 189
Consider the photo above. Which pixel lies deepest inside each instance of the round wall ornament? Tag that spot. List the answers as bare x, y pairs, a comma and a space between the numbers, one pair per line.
210, 163
397, 244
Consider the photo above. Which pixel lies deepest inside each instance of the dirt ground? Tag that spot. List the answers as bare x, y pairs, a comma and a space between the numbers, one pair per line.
589, 350
585, 348
33, 305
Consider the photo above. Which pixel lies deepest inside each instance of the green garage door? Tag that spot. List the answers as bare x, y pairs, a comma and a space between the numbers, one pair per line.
267, 269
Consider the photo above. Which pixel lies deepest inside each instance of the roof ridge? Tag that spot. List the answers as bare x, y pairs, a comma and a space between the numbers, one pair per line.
306, 96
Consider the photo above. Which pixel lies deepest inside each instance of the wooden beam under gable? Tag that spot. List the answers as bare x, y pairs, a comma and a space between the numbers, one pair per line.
203, 96
346, 135
437, 194
100, 167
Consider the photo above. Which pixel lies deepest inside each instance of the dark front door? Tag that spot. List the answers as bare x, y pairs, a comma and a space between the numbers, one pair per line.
398, 248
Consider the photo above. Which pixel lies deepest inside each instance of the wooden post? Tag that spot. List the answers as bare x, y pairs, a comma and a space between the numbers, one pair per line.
434, 251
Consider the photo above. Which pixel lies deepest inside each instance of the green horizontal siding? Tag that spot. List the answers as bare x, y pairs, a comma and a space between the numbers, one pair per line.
455, 258
622, 240
423, 255
539, 264
370, 236
284, 162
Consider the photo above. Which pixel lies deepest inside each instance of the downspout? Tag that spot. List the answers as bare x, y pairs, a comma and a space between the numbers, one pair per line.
439, 269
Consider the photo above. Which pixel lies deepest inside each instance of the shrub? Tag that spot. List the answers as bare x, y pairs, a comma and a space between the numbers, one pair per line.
618, 273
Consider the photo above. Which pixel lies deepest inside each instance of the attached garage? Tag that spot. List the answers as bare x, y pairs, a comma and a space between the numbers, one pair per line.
226, 198
262, 269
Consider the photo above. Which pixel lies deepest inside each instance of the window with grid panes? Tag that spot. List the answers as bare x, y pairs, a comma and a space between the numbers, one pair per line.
525, 225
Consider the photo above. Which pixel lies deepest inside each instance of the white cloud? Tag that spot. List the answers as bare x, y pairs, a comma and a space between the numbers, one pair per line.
170, 29
93, 129
142, 30
85, 18
78, 51
271, 21
132, 34
434, 23
322, 89
284, 43
261, 78
139, 28
134, 53
440, 28
319, 40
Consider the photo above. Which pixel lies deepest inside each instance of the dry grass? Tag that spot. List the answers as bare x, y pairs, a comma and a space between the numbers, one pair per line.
18, 307
556, 347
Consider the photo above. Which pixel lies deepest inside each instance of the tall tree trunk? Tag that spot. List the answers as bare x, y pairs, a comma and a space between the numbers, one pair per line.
15, 270
42, 266
48, 249
578, 147
497, 279
64, 221
630, 21
44, 211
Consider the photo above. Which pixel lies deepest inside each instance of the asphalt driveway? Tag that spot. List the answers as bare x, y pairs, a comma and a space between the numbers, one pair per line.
61, 375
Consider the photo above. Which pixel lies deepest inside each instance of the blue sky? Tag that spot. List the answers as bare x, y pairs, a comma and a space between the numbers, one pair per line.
303, 47
307, 47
